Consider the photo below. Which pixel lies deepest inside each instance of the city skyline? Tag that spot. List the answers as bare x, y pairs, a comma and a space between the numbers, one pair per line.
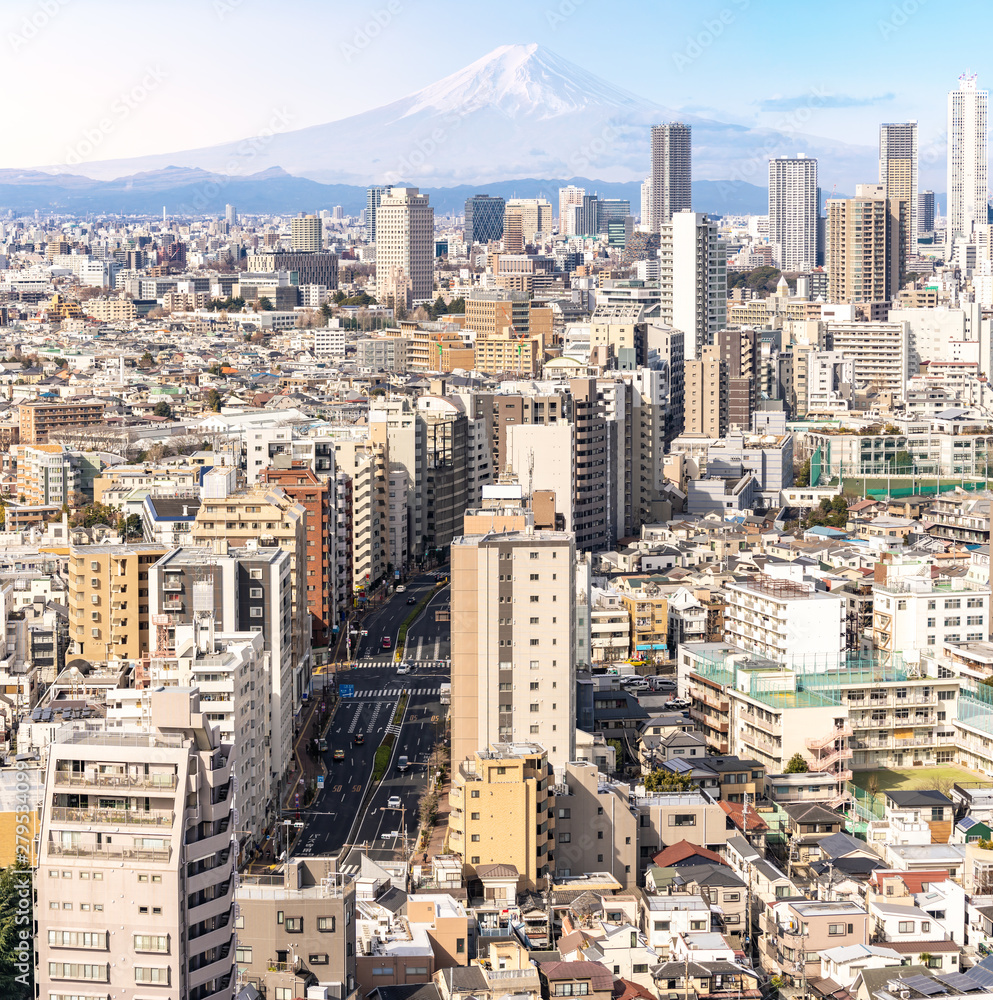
698, 73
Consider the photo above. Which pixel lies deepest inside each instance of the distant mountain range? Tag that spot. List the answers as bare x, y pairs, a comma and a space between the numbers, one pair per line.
521, 112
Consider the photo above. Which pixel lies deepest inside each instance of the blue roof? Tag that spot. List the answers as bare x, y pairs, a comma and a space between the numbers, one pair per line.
823, 529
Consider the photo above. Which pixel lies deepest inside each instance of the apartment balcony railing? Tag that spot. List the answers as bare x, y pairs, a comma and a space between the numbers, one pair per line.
165, 782
114, 817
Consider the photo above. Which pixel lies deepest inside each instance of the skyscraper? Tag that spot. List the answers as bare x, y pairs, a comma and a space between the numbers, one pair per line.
305, 233
513, 230
373, 196
568, 197
483, 219
405, 242
925, 212
693, 279
230, 215
793, 212
646, 202
587, 216
898, 172
866, 241
967, 187
536, 214
671, 172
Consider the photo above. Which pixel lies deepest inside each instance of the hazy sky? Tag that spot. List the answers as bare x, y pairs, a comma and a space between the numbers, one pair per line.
100, 79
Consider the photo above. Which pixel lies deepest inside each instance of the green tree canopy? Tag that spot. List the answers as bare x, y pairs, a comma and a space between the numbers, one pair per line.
796, 764
663, 780
162, 409
213, 401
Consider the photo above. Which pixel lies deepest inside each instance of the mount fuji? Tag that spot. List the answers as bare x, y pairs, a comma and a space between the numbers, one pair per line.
519, 112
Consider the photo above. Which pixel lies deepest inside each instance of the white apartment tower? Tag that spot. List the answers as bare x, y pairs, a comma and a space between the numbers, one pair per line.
305, 233
967, 158
646, 202
513, 619
898, 167
671, 172
136, 864
405, 242
793, 212
693, 279
569, 198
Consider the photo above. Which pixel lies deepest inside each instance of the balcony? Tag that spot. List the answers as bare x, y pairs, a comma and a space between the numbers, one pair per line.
752, 719
163, 782
113, 817
172, 604
116, 851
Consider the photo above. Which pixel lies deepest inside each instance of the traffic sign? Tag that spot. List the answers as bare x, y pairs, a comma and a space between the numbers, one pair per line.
320, 782
346, 690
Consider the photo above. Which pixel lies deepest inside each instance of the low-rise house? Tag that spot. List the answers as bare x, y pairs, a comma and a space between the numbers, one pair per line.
843, 964
706, 981
663, 917
572, 979
917, 816
726, 893
899, 922
796, 931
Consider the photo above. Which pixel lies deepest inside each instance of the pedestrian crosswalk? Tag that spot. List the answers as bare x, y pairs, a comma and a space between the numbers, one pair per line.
442, 664
392, 692
424, 649
349, 869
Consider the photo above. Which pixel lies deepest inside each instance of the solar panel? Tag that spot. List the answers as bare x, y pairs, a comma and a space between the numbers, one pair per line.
925, 985
958, 981
982, 976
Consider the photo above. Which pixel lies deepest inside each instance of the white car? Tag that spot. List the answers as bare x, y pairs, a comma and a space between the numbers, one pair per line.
403, 668
392, 835
400, 588
393, 802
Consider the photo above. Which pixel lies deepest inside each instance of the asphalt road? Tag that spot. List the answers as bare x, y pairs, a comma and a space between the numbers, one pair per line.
334, 819
386, 621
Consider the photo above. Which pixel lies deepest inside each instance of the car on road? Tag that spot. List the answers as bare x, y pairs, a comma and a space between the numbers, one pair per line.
339, 755
392, 835
393, 802
403, 763
358, 739
411, 600
400, 588
404, 668
387, 642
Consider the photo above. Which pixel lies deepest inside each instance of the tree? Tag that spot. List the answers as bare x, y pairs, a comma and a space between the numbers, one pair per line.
131, 527
265, 304
97, 513
16, 917
796, 764
146, 360
213, 401
162, 409
440, 306
457, 306
663, 780
802, 477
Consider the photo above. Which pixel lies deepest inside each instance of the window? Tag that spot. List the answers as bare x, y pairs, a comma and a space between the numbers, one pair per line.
255, 592
474, 793
78, 939
460, 946
322, 959
571, 990
565, 838
78, 970
255, 612
682, 819
639, 968
906, 927
325, 925
565, 814
662, 925
152, 942
474, 860
836, 930
533, 555
475, 838
534, 642
599, 835
243, 956
534, 598
294, 925
286, 992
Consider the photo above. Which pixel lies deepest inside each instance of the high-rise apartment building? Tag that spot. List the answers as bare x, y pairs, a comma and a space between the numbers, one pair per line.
483, 219
513, 617
305, 233
706, 394
536, 214
38, 419
373, 197
693, 279
405, 242
898, 173
881, 353
866, 243
586, 216
671, 172
241, 590
314, 493
318, 267
108, 600
793, 209
136, 868
925, 212
231, 215
569, 198
265, 516
513, 230
646, 202
967, 158
740, 349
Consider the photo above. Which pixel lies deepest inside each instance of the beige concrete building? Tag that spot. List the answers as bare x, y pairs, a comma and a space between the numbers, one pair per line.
513, 619
111, 310
316, 932
536, 216
866, 240
502, 811
135, 881
39, 419
706, 385
108, 599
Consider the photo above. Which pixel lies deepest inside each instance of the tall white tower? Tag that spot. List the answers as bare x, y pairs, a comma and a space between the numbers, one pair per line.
967, 184
898, 172
793, 212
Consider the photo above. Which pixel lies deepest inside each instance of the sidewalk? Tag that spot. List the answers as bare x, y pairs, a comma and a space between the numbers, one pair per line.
303, 764
439, 832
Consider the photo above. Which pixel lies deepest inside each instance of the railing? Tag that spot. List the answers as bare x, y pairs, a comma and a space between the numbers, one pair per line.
165, 782
823, 763
110, 851
752, 719
818, 743
113, 817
